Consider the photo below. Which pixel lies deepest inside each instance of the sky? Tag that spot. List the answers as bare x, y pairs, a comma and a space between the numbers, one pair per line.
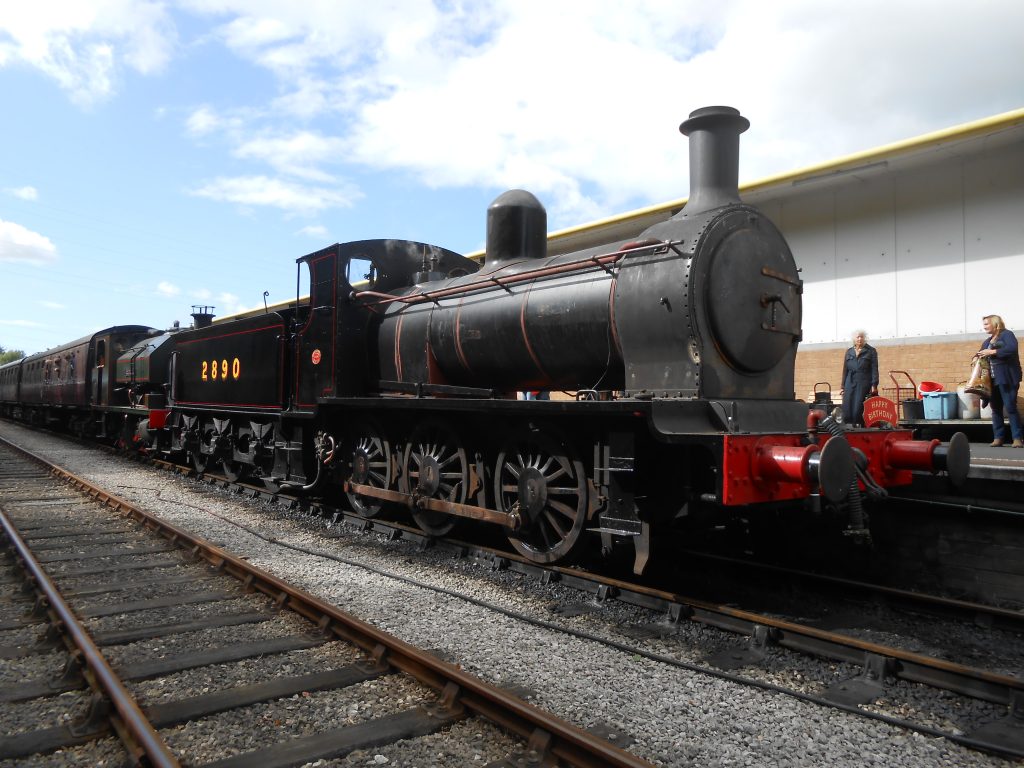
160, 155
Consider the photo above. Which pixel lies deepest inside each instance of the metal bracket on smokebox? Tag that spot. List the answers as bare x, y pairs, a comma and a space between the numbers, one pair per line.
1007, 733
864, 689
754, 652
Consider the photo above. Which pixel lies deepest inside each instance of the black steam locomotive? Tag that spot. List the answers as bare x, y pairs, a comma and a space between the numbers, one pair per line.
679, 350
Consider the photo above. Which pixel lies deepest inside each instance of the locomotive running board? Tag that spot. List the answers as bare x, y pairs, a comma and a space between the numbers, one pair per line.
512, 521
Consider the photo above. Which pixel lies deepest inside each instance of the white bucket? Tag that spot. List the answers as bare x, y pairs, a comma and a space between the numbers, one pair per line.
986, 412
970, 405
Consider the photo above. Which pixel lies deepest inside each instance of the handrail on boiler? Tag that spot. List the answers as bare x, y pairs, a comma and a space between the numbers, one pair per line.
603, 262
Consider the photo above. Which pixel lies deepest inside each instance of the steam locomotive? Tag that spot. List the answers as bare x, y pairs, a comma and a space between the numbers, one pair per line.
399, 391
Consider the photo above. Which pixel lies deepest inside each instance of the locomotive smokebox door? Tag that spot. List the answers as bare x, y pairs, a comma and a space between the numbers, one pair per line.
715, 311
753, 293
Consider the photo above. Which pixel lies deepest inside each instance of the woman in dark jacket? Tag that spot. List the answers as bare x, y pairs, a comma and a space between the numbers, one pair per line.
1001, 350
860, 377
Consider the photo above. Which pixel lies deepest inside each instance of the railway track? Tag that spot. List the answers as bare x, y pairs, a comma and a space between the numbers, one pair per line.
870, 671
124, 608
871, 679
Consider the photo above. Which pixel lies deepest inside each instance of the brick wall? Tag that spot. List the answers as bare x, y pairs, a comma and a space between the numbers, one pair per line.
948, 363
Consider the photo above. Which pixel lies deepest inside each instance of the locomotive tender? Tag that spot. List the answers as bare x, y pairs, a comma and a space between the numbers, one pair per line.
680, 347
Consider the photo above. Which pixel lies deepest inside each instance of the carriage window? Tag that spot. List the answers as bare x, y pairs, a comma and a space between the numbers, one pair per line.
101, 354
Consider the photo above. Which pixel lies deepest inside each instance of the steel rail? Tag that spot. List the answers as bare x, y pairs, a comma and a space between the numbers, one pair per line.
905, 665
109, 684
543, 731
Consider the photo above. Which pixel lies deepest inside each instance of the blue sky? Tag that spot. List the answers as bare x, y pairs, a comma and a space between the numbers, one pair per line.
156, 155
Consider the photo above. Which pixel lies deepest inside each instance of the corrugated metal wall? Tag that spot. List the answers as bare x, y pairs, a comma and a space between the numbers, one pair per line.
920, 252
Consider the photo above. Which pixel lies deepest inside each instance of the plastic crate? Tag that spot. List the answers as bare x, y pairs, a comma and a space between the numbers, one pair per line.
940, 405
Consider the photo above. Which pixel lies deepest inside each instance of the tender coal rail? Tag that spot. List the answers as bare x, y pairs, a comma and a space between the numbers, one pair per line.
121, 602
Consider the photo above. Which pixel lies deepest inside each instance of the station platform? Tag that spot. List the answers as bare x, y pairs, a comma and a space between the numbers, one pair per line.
977, 430
988, 463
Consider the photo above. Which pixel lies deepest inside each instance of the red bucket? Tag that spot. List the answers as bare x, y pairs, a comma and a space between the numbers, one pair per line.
929, 386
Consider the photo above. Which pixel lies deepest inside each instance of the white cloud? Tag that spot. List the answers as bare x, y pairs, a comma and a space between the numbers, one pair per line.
202, 121
52, 305
18, 243
169, 290
314, 230
205, 119
85, 46
23, 323
24, 193
288, 196
580, 101
295, 155
230, 304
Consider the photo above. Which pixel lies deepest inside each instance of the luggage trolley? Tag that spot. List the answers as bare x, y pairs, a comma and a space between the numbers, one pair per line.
901, 390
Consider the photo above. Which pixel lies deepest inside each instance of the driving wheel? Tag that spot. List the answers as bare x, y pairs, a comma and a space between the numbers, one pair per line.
370, 458
434, 465
201, 461
539, 477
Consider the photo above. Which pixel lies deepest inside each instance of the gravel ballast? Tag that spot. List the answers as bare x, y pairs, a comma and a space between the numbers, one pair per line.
676, 716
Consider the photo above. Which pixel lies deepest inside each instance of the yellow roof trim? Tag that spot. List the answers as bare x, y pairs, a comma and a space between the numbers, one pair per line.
935, 138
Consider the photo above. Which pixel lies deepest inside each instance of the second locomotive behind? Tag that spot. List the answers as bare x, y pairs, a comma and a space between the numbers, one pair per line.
680, 344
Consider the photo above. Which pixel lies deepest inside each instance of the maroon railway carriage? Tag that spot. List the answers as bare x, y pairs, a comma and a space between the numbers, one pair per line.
72, 385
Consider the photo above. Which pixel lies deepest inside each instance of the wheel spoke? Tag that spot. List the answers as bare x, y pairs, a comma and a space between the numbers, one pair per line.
564, 491
434, 450
548, 543
565, 509
542, 477
553, 521
560, 472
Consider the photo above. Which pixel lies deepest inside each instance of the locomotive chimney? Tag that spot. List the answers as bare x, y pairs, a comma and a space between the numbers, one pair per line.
517, 228
201, 316
714, 157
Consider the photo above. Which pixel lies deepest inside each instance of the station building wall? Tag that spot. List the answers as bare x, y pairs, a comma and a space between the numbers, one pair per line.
947, 362
915, 257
